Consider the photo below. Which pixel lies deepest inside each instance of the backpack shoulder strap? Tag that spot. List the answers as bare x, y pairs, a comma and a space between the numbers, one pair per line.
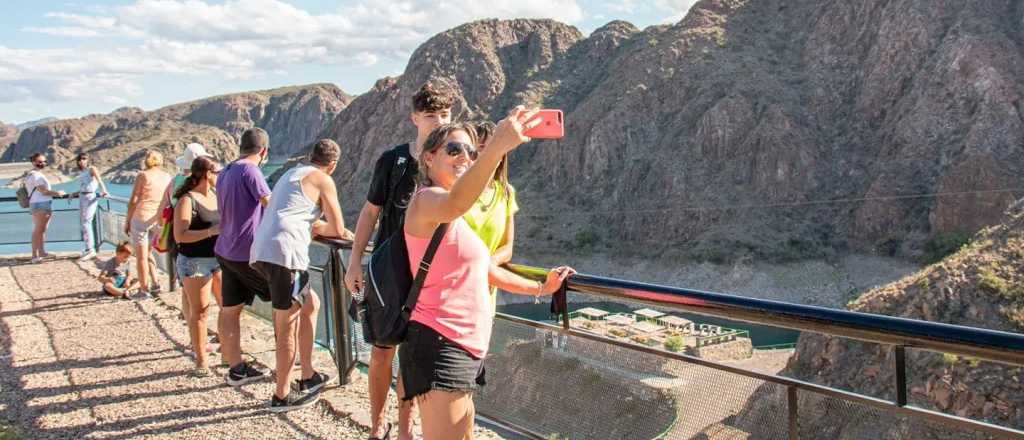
421, 274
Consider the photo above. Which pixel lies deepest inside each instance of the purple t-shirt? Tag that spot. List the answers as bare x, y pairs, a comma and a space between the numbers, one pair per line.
240, 186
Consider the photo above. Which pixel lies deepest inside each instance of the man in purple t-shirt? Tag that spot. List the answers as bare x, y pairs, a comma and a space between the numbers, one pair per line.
242, 193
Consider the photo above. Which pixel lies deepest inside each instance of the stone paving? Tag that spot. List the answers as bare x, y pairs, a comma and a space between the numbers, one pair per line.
77, 364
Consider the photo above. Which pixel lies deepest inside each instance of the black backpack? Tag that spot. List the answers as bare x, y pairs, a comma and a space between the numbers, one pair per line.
390, 293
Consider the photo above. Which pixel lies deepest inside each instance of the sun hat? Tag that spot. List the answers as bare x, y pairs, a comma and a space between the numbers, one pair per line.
192, 151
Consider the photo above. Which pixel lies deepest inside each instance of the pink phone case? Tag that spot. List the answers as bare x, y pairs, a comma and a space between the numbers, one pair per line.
551, 127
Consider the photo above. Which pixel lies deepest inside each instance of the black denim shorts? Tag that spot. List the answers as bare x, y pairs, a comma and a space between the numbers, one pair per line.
428, 361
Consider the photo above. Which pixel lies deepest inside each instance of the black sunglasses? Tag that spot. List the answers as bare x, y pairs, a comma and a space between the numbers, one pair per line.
456, 148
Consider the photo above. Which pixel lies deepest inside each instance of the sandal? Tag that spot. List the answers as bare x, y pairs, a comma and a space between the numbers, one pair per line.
387, 434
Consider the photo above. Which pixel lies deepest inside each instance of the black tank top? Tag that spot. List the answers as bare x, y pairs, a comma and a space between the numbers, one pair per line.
202, 218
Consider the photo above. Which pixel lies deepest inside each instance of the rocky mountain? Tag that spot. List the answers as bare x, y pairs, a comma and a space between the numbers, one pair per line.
8, 134
979, 286
778, 129
117, 141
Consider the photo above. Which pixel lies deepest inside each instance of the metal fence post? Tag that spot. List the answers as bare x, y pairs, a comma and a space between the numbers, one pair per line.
899, 353
343, 344
792, 410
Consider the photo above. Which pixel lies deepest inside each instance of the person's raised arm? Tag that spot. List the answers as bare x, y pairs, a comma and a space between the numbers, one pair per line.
103, 187
335, 225
446, 206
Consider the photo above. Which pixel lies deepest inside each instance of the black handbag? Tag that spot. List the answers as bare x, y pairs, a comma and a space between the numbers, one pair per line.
391, 293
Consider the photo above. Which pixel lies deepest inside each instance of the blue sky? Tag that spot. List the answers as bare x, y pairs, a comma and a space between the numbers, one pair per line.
69, 59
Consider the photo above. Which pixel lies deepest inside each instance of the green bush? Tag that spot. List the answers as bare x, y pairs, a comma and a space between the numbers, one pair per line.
942, 245
674, 343
991, 281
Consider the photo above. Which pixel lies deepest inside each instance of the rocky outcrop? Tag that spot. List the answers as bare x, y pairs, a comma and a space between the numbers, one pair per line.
117, 141
774, 129
979, 286
8, 134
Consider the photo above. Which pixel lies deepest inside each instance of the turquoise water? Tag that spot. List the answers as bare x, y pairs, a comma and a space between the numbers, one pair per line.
760, 335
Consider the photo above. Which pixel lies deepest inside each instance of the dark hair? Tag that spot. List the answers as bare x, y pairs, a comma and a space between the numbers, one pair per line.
436, 140
253, 141
35, 156
324, 152
81, 156
123, 248
432, 99
484, 131
199, 168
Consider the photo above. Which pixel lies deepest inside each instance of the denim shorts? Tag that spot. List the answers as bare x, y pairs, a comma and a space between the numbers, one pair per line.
428, 361
40, 207
196, 267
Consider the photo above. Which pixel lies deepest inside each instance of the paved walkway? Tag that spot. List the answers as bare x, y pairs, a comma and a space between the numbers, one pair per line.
77, 364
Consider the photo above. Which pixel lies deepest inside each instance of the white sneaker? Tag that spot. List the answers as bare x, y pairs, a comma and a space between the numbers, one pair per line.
87, 256
36, 260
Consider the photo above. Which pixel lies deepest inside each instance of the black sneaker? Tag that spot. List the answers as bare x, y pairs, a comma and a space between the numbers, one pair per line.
315, 383
243, 374
294, 400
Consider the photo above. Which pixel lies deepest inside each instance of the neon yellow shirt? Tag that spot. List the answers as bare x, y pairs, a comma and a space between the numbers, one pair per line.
489, 217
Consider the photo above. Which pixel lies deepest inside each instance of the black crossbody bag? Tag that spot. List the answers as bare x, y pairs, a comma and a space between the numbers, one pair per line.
390, 293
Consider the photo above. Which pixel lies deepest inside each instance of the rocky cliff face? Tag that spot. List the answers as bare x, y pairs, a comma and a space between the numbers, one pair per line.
979, 286
778, 129
293, 116
8, 134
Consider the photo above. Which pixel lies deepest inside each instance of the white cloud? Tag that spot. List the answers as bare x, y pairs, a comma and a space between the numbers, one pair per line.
677, 8
237, 39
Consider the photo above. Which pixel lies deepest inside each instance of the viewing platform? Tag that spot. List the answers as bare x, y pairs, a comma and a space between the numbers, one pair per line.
76, 363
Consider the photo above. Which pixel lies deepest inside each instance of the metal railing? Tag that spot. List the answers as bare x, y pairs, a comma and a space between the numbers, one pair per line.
899, 333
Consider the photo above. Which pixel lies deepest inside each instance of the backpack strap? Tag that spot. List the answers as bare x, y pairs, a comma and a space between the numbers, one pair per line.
421, 274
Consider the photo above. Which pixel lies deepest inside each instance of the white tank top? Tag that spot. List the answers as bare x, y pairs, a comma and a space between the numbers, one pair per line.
284, 234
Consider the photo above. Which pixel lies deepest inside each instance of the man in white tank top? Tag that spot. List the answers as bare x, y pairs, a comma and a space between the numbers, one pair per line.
280, 252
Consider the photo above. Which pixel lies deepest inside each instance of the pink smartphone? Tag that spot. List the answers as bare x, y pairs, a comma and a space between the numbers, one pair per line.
551, 127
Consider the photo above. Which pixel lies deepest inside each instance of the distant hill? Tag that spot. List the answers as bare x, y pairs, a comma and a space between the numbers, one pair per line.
8, 134
293, 116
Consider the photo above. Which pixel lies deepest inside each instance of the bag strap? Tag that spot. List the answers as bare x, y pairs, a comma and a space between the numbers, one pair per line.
421, 274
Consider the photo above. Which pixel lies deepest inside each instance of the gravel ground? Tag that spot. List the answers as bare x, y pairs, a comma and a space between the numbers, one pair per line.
77, 364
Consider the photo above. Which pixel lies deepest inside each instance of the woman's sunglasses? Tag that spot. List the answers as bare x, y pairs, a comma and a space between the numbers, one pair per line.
456, 148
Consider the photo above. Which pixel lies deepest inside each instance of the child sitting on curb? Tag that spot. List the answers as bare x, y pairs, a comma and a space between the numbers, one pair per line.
116, 273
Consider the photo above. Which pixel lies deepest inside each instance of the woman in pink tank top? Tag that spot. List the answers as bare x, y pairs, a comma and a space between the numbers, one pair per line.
441, 360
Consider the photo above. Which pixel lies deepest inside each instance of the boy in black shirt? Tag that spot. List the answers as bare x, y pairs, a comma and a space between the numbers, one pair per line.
394, 179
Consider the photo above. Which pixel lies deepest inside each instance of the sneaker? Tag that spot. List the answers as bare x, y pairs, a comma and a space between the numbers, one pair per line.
244, 374
154, 289
87, 256
141, 296
294, 400
315, 383
36, 260
200, 372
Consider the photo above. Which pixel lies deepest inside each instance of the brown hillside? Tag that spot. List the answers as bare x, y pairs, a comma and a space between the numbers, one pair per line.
293, 116
979, 286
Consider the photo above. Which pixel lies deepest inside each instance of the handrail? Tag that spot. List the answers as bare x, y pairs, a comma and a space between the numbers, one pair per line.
986, 344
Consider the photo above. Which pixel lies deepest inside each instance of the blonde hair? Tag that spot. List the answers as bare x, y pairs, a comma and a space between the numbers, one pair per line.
153, 159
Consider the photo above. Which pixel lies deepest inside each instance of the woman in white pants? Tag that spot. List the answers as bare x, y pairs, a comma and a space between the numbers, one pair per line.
90, 189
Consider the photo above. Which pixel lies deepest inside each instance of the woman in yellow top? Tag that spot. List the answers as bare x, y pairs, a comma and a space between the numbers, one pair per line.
492, 215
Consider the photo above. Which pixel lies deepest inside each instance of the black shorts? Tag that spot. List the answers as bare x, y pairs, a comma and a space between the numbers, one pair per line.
286, 285
428, 361
240, 283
